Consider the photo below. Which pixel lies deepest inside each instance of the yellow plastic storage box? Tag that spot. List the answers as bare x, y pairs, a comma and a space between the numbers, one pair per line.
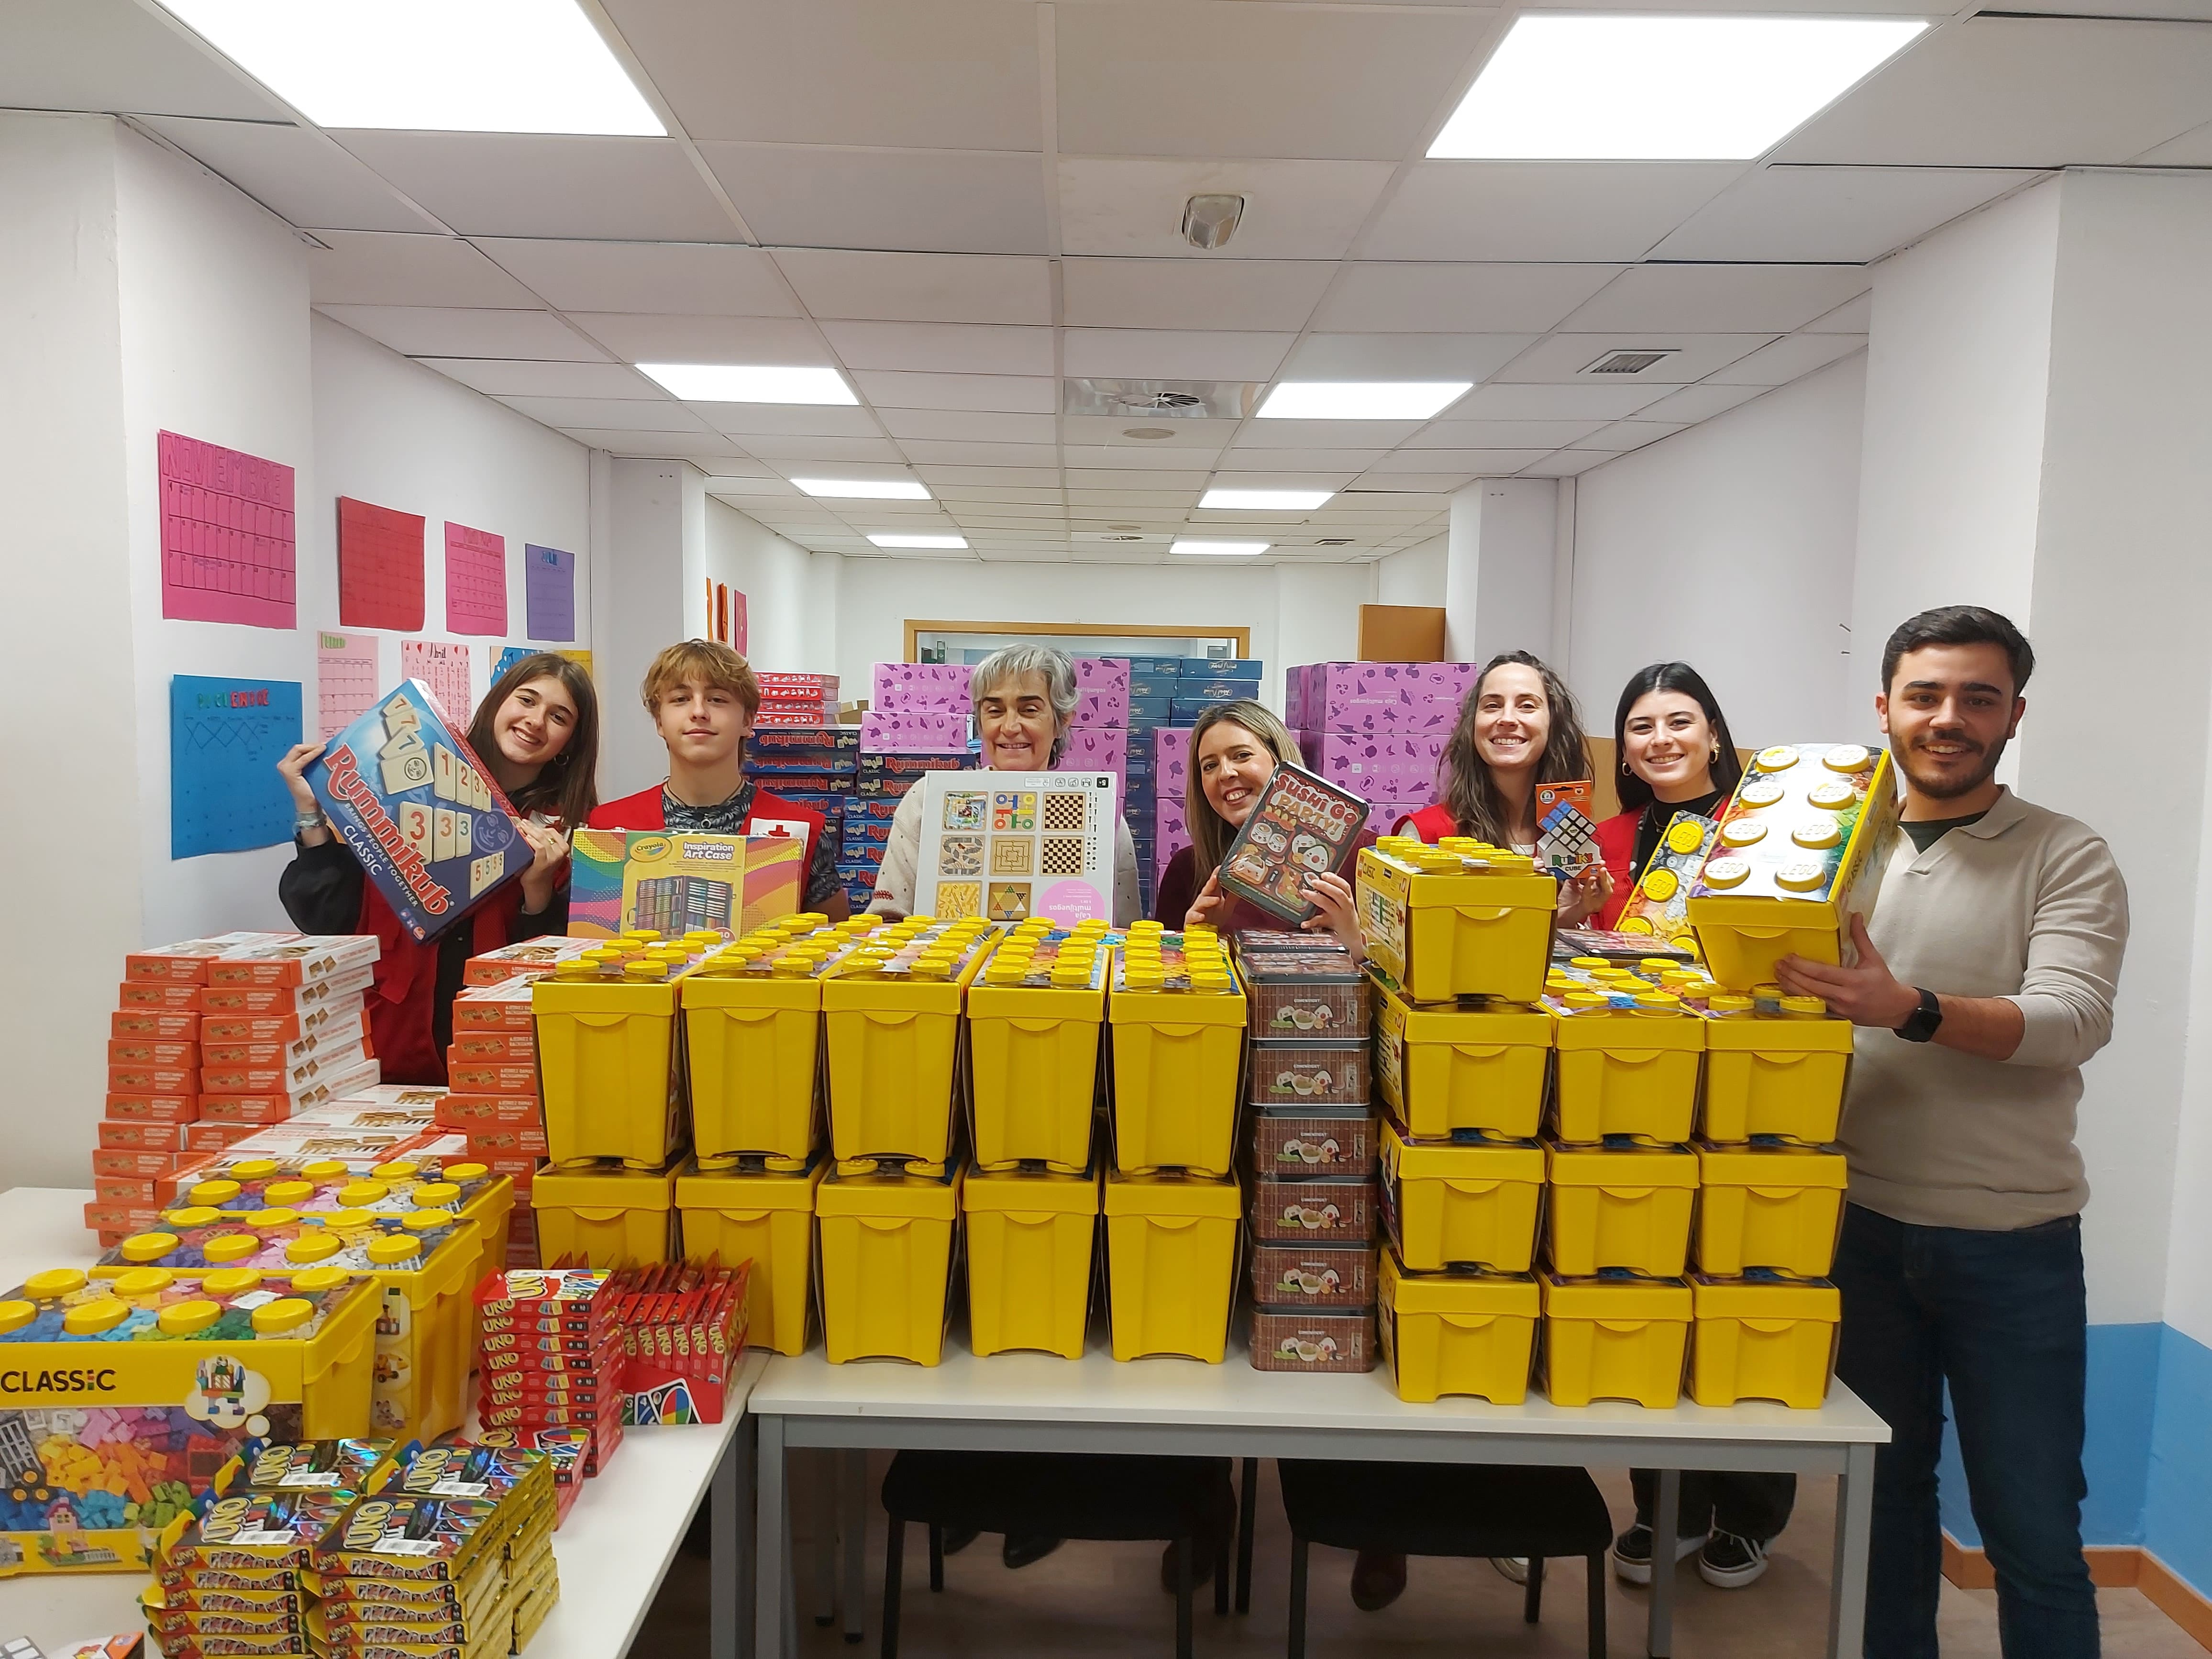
1756, 902
1623, 1072
752, 1046
1453, 920
609, 1216
1776, 1206
1030, 1244
1774, 1077
1620, 1207
1033, 1057
1467, 1203
608, 1068
1480, 1066
1171, 1263
425, 1334
1615, 1339
1764, 1339
894, 1044
1463, 1333
887, 1264
1175, 1060
767, 1219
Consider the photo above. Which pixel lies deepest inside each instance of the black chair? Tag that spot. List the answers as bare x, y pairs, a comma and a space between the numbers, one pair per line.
1448, 1509
1182, 1501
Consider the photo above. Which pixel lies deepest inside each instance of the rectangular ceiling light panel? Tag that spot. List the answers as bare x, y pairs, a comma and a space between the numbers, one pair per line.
863, 490
1194, 544
1361, 400
1266, 500
750, 383
920, 541
1628, 87
430, 65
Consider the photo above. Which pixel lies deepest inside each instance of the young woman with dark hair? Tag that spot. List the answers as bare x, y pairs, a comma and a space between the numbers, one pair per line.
1675, 756
537, 733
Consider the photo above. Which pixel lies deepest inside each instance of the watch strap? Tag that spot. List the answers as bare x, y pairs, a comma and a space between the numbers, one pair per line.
1923, 1022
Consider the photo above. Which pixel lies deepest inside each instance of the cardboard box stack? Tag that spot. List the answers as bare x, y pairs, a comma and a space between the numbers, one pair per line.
194, 1066
1377, 729
1166, 693
797, 700
493, 1100
919, 723
817, 766
551, 1356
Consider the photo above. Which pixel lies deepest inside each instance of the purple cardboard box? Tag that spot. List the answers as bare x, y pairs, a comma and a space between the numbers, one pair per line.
1171, 760
905, 687
1101, 706
1394, 768
1103, 674
1378, 696
913, 732
1095, 749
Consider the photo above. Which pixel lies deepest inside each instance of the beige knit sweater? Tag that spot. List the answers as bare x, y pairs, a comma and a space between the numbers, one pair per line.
2027, 905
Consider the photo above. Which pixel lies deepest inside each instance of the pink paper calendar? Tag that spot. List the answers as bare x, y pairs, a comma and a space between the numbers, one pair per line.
345, 679
475, 581
229, 551
443, 666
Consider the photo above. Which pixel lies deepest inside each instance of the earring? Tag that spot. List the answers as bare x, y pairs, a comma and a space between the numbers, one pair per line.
1624, 768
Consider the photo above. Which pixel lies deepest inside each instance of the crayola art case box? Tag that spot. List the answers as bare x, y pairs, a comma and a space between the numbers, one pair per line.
418, 809
679, 882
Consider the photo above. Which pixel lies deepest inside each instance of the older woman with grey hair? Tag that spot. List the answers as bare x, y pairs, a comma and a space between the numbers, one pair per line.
1025, 696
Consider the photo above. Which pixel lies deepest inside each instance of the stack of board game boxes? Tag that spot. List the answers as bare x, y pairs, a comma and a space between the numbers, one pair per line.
818, 767
1377, 729
797, 701
551, 1356
198, 1061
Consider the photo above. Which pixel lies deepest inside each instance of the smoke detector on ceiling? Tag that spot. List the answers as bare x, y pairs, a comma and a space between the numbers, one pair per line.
1150, 434
1178, 400
1333, 541
1208, 220
1633, 361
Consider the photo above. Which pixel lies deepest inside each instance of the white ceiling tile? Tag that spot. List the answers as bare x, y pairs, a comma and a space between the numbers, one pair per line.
799, 455
699, 279
1562, 358
1448, 298
1148, 354
1853, 316
957, 348
611, 414
1191, 292
957, 496
1500, 434
1022, 394
1789, 357
969, 425
1494, 463
2013, 92
1718, 299
1086, 490
505, 183
2193, 148
117, 56
1354, 461
751, 475
506, 377
1426, 482
296, 173
1555, 403
1561, 210
706, 451
365, 267
920, 287
789, 420
1114, 429
929, 201
956, 73
1623, 435
1322, 434
665, 339
1249, 474
1292, 210
946, 452
1790, 213
1017, 478
1165, 78
1700, 402
441, 332
1567, 464
1133, 457
1403, 356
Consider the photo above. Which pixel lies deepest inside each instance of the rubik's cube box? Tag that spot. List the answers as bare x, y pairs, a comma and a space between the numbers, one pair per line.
415, 805
679, 882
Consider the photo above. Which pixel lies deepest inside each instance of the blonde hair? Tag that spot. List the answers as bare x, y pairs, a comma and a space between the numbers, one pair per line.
707, 662
1009, 663
1211, 833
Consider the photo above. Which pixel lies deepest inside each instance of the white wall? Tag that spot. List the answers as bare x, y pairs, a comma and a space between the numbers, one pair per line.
1729, 547
780, 581
1415, 576
72, 749
654, 595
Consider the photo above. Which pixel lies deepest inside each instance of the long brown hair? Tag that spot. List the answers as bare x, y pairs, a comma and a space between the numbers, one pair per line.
1471, 794
568, 787
1211, 833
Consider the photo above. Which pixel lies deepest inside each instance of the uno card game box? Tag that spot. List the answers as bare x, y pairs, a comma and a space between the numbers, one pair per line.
1302, 827
415, 807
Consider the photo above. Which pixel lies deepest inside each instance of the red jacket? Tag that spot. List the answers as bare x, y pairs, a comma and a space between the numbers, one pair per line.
1431, 823
772, 815
402, 999
1616, 849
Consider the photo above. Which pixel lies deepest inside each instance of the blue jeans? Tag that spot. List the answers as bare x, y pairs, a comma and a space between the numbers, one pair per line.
2002, 1317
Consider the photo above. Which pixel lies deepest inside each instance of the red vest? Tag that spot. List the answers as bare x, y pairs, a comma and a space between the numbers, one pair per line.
643, 811
1616, 845
401, 998
1431, 823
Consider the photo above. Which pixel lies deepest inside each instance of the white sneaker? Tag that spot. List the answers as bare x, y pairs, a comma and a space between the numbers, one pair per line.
1631, 1553
1727, 1562
1515, 1567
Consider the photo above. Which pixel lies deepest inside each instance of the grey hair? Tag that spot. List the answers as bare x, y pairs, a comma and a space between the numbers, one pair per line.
1013, 662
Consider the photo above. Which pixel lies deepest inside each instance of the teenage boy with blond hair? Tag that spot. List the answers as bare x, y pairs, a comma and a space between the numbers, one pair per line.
702, 698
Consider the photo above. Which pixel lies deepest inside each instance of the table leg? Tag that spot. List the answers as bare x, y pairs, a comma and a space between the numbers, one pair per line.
1666, 1512
1854, 1530
722, 1565
741, 1565
853, 1511
1247, 1509
829, 1508
772, 1583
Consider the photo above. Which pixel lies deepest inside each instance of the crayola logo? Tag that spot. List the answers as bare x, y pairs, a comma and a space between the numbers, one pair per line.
654, 847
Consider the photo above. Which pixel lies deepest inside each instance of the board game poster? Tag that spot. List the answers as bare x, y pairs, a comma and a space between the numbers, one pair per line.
415, 807
677, 881
1008, 846
1303, 827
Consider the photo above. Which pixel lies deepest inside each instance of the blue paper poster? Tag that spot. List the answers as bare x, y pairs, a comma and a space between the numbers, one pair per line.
225, 739
549, 592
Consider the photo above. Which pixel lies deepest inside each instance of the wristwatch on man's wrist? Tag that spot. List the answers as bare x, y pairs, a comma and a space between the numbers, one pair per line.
1922, 1022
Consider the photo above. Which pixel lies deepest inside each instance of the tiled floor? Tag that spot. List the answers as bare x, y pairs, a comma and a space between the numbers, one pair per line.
1105, 1599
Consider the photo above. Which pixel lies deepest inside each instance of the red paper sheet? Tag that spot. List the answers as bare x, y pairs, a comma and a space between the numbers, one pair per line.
228, 551
380, 567
475, 581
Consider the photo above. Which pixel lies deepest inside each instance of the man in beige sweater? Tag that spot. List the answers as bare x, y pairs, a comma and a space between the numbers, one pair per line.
1984, 983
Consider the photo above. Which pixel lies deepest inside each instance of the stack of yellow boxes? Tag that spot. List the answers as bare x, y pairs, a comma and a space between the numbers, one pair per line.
1176, 1012
752, 1032
1031, 1203
889, 1209
1458, 935
610, 1062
